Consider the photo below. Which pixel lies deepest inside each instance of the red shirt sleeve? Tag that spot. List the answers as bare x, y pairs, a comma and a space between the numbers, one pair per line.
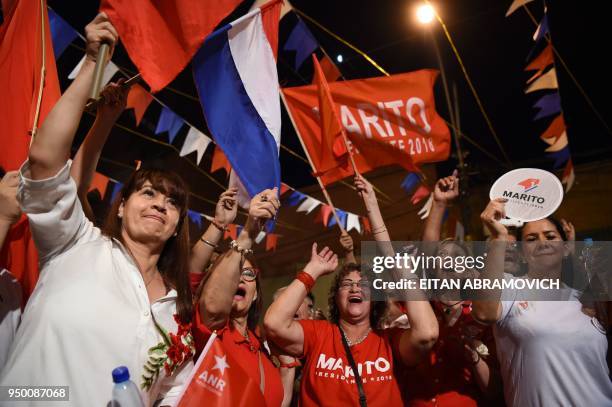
194, 281
312, 330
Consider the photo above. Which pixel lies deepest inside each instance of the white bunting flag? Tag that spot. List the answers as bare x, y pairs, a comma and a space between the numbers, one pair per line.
260, 237
195, 141
110, 71
308, 205
546, 81
352, 222
424, 212
560, 144
515, 6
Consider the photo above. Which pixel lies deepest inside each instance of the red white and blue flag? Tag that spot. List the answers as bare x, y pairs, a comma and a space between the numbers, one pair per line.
235, 74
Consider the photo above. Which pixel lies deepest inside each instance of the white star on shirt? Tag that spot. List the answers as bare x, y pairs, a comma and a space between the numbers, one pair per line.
221, 364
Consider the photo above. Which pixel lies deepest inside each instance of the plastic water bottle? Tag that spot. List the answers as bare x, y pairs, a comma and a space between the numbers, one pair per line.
586, 255
125, 392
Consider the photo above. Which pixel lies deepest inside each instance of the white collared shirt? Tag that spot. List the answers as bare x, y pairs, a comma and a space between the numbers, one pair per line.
90, 311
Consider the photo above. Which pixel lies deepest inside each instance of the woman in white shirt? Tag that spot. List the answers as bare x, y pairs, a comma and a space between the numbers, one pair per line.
104, 298
551, 352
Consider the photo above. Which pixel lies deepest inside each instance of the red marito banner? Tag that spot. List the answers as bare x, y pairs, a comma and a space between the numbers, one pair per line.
397, 110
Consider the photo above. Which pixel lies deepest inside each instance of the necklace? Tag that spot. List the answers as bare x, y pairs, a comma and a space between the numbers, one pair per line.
358, 341
151, 279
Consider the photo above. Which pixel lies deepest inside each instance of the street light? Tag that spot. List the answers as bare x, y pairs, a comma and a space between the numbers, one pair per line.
425, 14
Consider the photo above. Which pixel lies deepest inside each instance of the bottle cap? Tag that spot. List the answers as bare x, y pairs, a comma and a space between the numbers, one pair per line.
121, 374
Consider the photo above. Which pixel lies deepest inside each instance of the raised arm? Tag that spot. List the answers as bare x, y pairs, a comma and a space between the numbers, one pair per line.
379, 229
488, 310
349, 251
225, 213
112, 103
50, 148
9, 207
446, 190
218, 292
279, 324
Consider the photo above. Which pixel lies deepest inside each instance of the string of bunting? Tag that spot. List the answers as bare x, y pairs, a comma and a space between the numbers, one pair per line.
544, 83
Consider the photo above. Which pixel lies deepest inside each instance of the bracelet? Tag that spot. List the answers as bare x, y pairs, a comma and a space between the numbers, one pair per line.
306, 279
295, 363
216, 224
379, 231
244, 252
211, 244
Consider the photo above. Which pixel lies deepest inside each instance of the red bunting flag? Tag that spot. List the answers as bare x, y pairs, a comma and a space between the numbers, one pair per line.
367, 228
99, 182
541, 62
330, 70
231, 232
555, 129
161, 37
568, 176
388, 120
324, 214
271, 241
421, 192
220, 161
139, 100
218, 381
284, 188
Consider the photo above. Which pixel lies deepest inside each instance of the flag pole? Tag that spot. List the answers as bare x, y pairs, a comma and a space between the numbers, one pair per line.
212, 338
323, 189
43, 72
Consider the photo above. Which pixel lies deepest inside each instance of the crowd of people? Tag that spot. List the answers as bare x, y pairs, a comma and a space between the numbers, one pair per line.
111, 294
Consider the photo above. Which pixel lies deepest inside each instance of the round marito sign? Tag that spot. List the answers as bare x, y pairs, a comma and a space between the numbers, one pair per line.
532, 194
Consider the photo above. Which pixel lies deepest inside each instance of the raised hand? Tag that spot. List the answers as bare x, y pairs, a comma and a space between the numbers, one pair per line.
9, 207
364, 188
570, 231
113, 99
446, 189
227, 207
99, 31
492, 215
263, 206
322, 263
346, 241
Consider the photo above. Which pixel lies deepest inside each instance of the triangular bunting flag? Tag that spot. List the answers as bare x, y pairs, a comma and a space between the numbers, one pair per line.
301, 42
542, 61
284, 188
99, 182
139, 100
341, 217
367, 228
424, 212
559, 144
169, 122
548, 105
195, 217
271, 241
195, 141
110, 71
231, 232
546, 81
308, 205
324, 214
554, 130
295, 198
116, 189
260, 236
568, 176
411, 180
542, 29
560, 157
352, 222
62, 33
515, 5
219, 161
421, 192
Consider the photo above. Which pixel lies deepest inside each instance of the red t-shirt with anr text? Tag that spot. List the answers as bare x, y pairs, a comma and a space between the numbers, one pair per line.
327, 377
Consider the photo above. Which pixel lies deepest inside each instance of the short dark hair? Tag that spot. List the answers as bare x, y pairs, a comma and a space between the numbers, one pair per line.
377, 308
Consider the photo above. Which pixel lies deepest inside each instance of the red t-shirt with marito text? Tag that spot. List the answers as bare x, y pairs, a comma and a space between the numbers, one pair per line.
327, 377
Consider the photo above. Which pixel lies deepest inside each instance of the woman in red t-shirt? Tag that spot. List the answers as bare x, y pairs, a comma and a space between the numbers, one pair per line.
231, 301
327, 378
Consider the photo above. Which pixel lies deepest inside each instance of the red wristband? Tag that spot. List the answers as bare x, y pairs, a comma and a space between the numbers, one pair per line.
295, 363
218, 225
306, 279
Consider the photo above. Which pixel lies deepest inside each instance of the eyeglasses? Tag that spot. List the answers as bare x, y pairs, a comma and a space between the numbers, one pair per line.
248, 274
348, 284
